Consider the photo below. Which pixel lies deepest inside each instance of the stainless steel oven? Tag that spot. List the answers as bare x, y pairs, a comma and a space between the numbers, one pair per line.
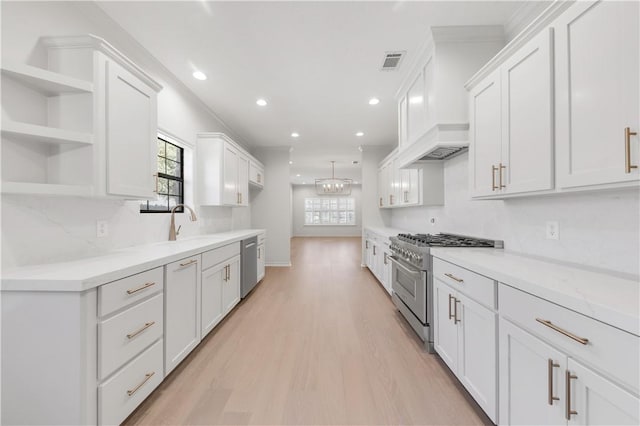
410, 284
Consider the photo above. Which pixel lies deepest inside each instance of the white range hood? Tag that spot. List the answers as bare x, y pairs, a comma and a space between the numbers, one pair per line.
433, 116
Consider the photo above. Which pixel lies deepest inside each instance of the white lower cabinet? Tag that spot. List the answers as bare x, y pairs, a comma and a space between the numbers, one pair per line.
261, 261
220, 285
560, 367
377, 258
182, 310
122, 393
465, 338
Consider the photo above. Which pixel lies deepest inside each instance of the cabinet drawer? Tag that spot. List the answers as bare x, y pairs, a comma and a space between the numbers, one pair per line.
122, 393
610, 350
215, 256
124, 292
125, 335
476, 286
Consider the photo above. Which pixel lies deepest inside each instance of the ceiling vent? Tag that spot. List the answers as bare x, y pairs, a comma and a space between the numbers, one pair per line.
392, 60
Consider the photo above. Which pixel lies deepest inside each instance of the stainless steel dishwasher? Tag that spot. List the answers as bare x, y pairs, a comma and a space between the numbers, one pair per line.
249, 264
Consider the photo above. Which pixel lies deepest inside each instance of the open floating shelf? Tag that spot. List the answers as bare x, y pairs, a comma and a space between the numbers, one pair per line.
46, 189
47, 82
43, 134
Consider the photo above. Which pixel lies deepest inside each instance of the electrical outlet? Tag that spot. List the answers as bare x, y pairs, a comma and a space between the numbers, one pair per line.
432, 221
553, 231
102, 228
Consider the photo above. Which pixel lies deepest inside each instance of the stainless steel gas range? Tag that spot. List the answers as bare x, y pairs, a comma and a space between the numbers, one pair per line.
412, 279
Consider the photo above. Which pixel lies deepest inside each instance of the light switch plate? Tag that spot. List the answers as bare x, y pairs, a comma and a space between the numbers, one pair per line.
553, 230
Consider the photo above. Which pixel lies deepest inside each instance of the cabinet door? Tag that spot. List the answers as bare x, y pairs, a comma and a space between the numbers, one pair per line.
182, 310
231, 286
212, 281
597, 401
410, 187
486, 136
531, 378
131, 132
261, 262
477, 352
527, 117
243, 180
597, 86
445, 334
230, 190
383, 188
402, 121
416, 109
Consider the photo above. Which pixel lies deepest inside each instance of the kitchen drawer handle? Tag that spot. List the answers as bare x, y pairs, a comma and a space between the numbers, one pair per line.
552, 326
569, 411
453, 277
142, 287
550, 367
147, 376
627, 150
191, 262
143, 328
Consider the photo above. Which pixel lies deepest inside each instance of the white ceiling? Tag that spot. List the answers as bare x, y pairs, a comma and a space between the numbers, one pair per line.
316, 63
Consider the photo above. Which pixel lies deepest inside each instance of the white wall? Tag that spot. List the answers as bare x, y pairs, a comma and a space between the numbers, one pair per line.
598, 229
271, 208
47, 229
300, 192
371, 214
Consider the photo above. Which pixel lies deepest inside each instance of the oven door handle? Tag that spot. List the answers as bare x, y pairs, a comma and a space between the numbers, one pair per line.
412, 271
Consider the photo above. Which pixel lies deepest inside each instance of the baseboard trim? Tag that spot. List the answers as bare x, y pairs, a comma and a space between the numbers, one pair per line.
279, 264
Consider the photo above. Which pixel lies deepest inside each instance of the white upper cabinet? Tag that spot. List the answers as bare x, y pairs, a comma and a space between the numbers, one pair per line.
256, 173
486, 135
131, 134
85, 126
597, 86
222, 172
511, 131
527, 109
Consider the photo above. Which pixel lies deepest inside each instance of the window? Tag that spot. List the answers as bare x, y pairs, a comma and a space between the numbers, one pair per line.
170, 180
329, 211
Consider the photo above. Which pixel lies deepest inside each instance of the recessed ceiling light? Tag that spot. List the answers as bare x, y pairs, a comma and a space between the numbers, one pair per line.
415, 100
304, 183
199, 75
290, 161
374, 101
295, 135
360, 134
261, 102
298, 175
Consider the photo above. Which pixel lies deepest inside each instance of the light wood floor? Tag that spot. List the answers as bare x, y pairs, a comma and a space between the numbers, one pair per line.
317, 343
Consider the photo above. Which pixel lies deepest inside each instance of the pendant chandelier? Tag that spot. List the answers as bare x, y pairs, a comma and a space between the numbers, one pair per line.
333, 185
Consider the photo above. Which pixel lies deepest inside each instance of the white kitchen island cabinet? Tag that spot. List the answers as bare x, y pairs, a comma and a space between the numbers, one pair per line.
182, 310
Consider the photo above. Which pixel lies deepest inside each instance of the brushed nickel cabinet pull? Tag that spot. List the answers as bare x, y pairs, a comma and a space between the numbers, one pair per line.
450, 314
494, 169
191, 262
147, 376
627, 150
550, 366
225, 273
143, 328
406, 196
552, 326
502, 167
366, 244
259, 178
455, 310
453, 277
374, 250
142, 287
385, 259
380, 201
569, 411
390, 200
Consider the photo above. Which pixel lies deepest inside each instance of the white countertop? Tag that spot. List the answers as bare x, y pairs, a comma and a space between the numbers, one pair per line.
87, 273
385, 232
611, 299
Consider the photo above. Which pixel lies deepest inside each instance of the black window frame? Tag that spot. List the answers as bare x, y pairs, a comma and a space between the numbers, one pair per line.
169, 178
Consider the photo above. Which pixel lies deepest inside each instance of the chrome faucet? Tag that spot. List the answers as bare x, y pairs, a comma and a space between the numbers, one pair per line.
172, 229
